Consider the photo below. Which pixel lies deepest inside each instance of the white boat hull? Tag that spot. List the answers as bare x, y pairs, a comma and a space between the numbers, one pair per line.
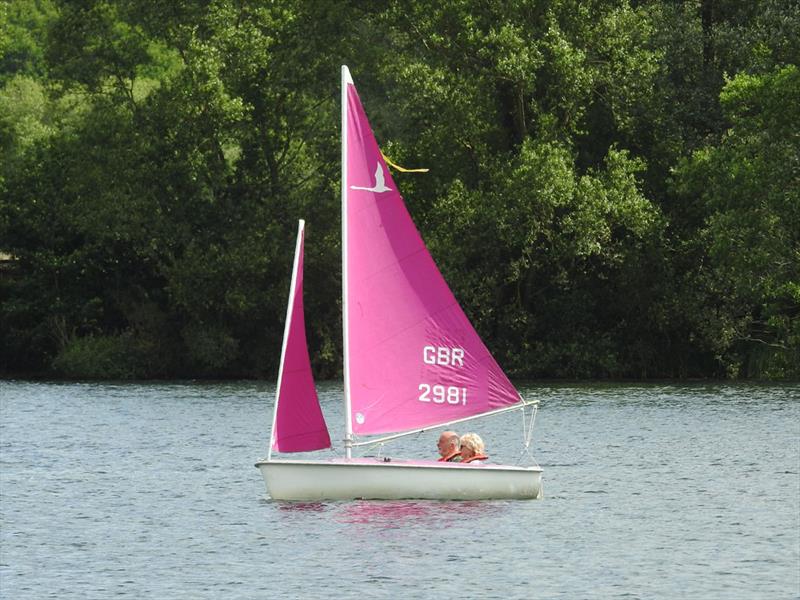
343, 479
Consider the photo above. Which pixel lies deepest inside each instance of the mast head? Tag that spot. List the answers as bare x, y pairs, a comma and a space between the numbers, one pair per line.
346, 78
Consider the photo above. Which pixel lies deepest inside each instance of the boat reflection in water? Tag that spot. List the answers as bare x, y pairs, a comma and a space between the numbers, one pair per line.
391, 513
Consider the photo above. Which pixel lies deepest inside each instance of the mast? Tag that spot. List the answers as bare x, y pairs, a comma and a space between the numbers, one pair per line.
348, 423
289, 309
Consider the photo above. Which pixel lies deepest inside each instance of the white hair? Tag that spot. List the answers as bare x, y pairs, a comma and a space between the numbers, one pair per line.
474, 442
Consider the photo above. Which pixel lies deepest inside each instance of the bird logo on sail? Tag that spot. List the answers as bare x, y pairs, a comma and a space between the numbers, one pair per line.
380, 182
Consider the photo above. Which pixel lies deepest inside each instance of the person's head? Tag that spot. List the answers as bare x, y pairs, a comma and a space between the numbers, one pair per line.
471, 445
448, 443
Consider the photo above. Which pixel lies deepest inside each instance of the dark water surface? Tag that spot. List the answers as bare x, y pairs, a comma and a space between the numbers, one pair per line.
149, 491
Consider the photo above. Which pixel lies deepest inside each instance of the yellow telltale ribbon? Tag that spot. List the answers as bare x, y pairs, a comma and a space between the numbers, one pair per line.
399, 168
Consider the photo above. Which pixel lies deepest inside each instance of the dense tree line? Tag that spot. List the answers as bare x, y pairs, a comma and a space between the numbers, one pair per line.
614, 186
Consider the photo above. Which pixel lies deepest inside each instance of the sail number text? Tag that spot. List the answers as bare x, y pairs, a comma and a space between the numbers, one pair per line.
442, 355
443, 394
439, 394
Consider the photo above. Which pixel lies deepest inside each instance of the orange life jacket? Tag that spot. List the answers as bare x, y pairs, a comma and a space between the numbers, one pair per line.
450, 457
476, 457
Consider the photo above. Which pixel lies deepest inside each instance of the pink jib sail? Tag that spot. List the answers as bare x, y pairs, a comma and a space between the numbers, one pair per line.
298, 423
414, 360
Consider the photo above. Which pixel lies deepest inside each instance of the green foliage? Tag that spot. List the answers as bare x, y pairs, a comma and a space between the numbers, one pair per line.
210, 348
613, 185
23, 107
541, 244
752, 235
23, 32
101, 357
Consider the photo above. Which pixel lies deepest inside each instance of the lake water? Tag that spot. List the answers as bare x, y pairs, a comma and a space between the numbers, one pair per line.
149, 491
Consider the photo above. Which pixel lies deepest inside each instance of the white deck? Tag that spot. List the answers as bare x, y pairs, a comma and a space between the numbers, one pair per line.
395, 479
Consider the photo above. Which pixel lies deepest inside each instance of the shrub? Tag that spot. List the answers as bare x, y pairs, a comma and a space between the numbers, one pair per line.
97, 357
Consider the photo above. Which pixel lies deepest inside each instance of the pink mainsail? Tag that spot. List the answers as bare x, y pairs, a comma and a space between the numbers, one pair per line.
298, 424
413, 360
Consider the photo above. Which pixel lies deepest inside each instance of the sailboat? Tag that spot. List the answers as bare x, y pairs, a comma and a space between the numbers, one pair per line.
412, 360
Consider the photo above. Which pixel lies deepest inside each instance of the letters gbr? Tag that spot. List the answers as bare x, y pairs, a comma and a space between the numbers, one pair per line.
441, 394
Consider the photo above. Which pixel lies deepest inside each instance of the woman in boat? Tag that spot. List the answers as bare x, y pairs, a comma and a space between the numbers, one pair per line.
472, 449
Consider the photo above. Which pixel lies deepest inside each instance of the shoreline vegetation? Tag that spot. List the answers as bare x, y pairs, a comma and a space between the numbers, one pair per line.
613, 194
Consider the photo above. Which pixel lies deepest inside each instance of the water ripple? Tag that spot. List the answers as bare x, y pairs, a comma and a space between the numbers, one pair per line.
148, 491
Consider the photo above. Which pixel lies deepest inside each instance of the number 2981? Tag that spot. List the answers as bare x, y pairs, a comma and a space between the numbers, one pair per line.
440, 394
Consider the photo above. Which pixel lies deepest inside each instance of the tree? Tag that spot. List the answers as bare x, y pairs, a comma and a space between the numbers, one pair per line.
749, 182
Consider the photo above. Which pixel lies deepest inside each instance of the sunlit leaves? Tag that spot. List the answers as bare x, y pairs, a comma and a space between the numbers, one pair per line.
750, 182
598, 207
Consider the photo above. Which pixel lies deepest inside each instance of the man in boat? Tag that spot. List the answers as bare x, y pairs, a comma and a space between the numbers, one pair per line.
449, 448
472, 449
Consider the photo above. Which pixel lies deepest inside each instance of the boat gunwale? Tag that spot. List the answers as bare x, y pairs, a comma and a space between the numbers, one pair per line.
401, 462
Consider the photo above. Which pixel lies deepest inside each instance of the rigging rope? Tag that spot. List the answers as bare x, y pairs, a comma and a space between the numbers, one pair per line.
401, 169
527, 435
